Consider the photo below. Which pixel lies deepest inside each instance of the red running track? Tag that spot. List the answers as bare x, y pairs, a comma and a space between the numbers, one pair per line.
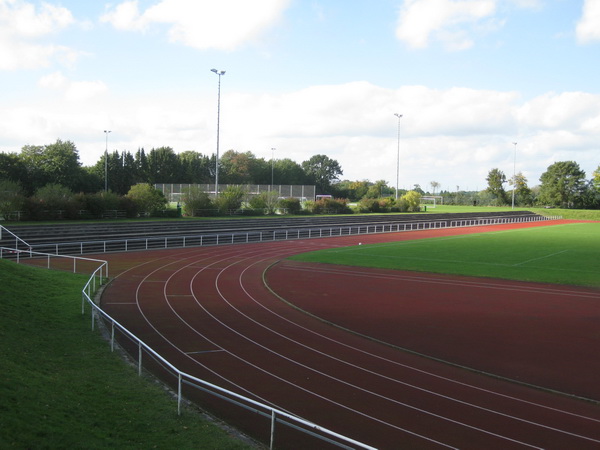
208, 311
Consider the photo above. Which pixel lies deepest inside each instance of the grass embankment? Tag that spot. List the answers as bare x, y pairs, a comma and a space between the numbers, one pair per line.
564, 254
61, 387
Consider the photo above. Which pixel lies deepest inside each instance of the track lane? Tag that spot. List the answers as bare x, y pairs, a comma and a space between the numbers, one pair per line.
222, 282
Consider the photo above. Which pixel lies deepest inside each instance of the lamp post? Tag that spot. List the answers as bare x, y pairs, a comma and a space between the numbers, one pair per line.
219, 73
514, 175
272, 162
399, 116
106, 162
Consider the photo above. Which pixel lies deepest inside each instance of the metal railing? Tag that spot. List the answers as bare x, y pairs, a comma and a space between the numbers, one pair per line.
181, 378
499, 220
12, 235
98, 277
246, 237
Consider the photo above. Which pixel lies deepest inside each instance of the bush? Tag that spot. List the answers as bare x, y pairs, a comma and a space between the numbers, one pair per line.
329, 206
230, 200
96, 204
12, 198
413, 201
291, 205
265, 202
376, 205
53, 201
146, 198
195, 200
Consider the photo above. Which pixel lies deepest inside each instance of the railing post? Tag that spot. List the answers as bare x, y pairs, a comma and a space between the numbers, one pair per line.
179, 394
112, 336
273, 420
139, 358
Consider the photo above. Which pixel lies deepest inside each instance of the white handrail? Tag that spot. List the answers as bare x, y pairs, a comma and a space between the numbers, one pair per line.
88, 292
184, 241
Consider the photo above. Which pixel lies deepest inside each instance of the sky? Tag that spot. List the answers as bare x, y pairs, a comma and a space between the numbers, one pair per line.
479, 84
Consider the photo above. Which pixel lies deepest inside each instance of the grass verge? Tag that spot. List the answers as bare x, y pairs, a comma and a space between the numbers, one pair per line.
61, 387
564, 254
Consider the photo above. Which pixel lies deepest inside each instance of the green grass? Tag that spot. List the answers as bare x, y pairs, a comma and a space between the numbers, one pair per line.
565, 254
575, 214
61, 387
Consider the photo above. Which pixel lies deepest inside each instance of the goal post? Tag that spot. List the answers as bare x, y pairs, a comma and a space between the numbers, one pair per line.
432, 200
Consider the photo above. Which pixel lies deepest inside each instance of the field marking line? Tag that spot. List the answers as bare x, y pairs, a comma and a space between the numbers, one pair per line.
541, 257
200, 352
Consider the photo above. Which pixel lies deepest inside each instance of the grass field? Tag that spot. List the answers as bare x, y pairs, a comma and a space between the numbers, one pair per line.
564, 254
61, 387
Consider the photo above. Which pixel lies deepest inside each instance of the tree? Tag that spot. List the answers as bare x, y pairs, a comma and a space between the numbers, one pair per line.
163, 166
195, 168
496, 180
377, 190
56, 163
243, 168
523, 195
141, 165
12, 168
289, 172
596, 178
562, 184
434, 186
323, 171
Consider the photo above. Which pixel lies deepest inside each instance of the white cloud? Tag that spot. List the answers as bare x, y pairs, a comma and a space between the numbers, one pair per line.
74, 91
453, 136
21, 25
223, 25
588, 26
449, 21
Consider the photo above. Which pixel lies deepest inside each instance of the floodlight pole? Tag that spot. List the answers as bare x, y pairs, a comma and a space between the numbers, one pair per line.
219, 73
272, 163
399, 116
106, 162
514, 175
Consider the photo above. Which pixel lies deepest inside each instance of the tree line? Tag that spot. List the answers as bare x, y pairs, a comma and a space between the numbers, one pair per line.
36, 166
563, 184
49, 174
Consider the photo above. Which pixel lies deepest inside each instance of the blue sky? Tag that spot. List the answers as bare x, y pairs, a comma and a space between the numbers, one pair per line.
306, 77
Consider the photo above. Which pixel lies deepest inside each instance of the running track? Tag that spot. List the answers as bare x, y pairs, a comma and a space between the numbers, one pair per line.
210, 313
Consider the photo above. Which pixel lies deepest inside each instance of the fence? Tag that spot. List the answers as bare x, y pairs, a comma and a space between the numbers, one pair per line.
98, 278
146, 355
246, 237
173, 191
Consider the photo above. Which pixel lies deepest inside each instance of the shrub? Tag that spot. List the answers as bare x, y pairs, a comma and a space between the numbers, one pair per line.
329, 206
413, 201
195, 201
52, 201
147, 198
12, 198
290, 205
230, 200
265, 201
